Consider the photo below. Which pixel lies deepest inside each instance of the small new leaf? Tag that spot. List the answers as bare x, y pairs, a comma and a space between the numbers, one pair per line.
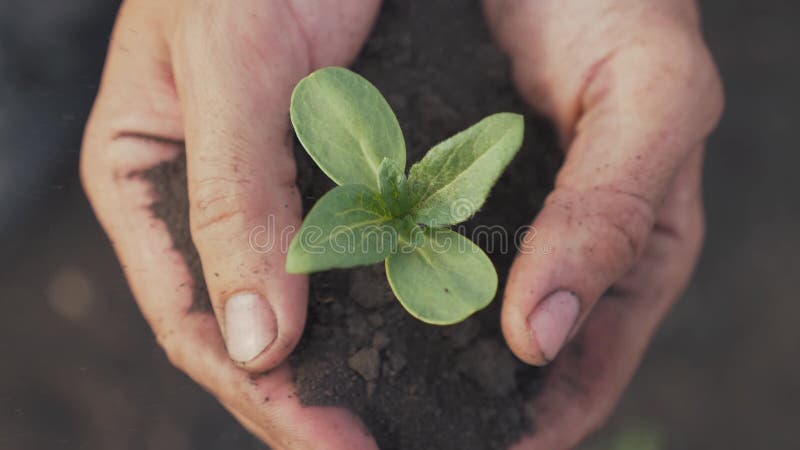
349, 226
346, 126
454, 178
393, 187
444, 280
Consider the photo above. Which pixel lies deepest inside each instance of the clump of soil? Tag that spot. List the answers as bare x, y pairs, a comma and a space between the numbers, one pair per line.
415, 386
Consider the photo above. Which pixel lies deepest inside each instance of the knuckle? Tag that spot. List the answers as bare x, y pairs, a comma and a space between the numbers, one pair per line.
694, 77
610, 225
627, 225
620, 220
685, 70
225, 204
218, 204
666, 68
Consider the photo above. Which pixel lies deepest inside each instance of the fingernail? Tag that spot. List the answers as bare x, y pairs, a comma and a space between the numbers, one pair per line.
552, 320
249, 326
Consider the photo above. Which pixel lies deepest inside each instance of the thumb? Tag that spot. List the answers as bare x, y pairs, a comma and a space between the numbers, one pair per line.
234, 70
636, 129
234, 76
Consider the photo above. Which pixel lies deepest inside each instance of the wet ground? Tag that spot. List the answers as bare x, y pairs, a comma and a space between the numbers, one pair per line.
80, 369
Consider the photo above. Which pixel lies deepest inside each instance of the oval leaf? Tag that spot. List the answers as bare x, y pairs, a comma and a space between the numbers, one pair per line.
444, 280
349, 226
454, 178
346, 126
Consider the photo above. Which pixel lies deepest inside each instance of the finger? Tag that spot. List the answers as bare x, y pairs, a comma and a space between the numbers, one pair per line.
585, 382
119, 143
635, 130
235, 70
234, 74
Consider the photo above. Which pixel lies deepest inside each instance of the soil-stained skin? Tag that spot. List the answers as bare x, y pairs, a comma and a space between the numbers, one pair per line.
168, 181
415, 386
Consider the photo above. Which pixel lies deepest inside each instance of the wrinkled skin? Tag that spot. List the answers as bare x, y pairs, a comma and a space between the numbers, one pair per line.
629, 84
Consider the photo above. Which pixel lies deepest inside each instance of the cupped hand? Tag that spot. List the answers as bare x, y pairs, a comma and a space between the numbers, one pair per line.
215, 78
634, 93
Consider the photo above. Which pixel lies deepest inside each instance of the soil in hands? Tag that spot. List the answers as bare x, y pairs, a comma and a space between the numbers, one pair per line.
415, 386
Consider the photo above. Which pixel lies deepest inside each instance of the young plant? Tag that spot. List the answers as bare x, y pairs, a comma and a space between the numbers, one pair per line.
378, 214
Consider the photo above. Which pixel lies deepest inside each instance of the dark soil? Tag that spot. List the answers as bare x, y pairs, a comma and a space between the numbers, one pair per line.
415, 386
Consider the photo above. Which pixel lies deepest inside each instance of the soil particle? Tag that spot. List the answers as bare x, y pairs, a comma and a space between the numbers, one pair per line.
490, 364
367, 363
380, 340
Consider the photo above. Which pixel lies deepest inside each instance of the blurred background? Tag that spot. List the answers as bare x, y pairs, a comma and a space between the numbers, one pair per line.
79, 368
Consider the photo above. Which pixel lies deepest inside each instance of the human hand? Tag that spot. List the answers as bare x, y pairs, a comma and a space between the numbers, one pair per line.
634, 94
218, 77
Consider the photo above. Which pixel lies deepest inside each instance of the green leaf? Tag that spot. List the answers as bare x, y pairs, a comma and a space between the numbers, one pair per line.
454, 178
346, 126
444, 280
349, 226
393, 187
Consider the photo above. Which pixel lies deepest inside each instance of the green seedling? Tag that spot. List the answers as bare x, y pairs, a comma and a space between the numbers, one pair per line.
378, 214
